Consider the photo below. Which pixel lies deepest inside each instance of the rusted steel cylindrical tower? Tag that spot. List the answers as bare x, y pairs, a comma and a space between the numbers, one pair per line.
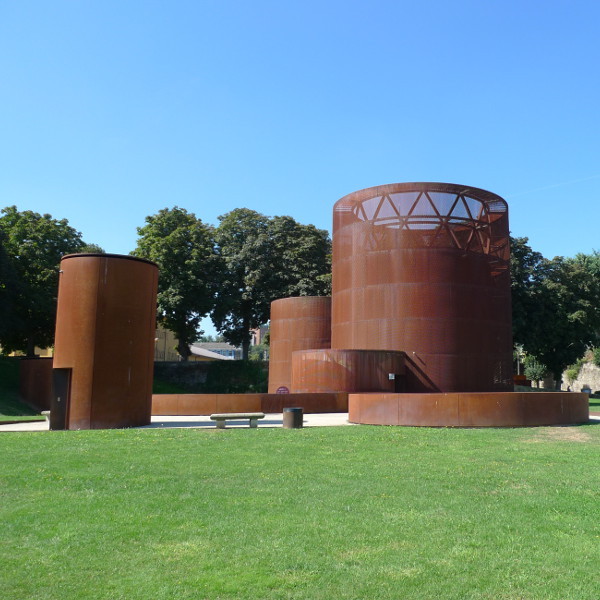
104, 345
298, 323
424, 268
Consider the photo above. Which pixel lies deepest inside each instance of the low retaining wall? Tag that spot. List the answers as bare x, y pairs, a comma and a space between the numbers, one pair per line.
207, 404
509, 409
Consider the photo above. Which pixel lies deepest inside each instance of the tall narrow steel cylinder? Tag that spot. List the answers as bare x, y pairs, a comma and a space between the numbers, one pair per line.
104, 344
423, 268
298, 323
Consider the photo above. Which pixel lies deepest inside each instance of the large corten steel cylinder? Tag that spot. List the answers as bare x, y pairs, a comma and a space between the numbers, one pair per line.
298, 323
104, 345
424, 268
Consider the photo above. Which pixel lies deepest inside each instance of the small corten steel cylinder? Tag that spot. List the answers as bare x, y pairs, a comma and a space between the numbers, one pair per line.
424, 268
298, 323
104, 345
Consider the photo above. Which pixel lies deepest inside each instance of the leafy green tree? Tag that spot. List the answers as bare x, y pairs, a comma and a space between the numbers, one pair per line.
8, 288
534, 370
91, 249
34, 245
556, 306
211, 339
530, 308
183, 248
258, 352
303, 255
596, 357
263, 260
247, 279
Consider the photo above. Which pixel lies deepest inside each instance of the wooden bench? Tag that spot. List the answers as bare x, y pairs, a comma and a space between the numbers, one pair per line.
220, 418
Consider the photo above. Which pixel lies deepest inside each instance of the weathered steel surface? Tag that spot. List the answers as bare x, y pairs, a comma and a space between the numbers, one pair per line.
105, 334
296, 324
347, 371
424, 268
470, 409
206, 404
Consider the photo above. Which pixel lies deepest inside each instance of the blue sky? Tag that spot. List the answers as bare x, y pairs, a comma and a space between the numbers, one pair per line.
110, 111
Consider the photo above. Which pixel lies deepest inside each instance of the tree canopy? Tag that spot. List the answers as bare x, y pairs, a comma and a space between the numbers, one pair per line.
183, 248
264, 259
556, 305
8, 289
32, 247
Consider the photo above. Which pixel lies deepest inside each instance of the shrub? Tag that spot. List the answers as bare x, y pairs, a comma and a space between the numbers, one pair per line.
572, 371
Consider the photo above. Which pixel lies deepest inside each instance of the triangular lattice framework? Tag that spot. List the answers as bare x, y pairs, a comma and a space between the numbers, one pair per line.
436, 218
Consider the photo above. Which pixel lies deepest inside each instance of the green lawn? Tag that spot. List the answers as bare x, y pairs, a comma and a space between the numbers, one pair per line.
321, 513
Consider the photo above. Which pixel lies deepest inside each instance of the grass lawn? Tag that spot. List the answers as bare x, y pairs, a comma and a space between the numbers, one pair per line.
321, 513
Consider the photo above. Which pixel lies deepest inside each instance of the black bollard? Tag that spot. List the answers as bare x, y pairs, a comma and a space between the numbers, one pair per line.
292, 418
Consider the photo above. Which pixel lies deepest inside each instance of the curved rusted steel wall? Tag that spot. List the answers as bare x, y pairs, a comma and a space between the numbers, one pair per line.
424, 268
104, 344
511, 409
347, 371
297, 323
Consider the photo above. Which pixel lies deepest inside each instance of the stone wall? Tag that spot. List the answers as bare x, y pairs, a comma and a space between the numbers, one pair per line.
589, 376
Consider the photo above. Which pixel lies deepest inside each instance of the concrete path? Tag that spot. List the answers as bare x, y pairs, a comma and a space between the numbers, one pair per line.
172, 422
270, 420
175, 422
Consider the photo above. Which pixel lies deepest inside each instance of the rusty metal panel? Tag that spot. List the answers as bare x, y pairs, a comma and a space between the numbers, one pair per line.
347, 371
232, 403
423, 268
507, 409
105, 333
310, 403
206, 404
298, 323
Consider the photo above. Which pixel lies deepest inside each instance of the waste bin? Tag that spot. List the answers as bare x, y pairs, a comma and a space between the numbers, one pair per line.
292, 418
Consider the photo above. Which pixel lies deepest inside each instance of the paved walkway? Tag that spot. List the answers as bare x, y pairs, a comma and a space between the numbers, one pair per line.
270, 420
176, 422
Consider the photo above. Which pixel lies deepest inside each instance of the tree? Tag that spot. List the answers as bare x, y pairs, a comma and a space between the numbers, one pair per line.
263, 260
574, 323
8, 289
33, 245
556, 314
183, 248
303, 254
534, 370
248, 270
91, 249
208, 339
529, 307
